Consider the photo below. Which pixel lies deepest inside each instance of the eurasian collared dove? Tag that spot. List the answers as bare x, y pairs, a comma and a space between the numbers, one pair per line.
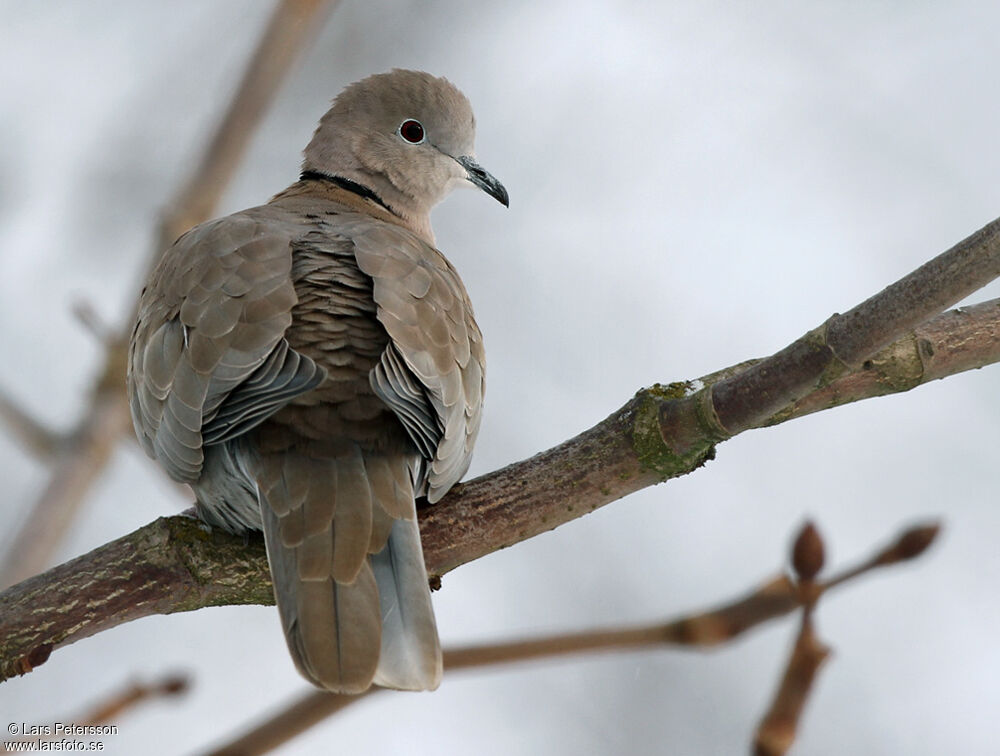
312, 365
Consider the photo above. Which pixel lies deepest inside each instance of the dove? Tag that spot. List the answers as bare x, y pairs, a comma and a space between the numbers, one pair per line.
312, 366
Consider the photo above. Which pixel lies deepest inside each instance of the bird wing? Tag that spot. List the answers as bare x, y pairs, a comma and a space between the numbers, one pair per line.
208, 359
432, 374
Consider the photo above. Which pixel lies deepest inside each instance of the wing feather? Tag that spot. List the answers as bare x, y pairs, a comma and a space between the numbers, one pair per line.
208, 359
432, 373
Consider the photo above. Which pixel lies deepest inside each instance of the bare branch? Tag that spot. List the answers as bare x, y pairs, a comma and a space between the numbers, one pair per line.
747, 399
80, 463
909, 545
112, 707
948, 278
133, 694
307, 711
775, 598
89, 318
167, 566
776, 732
631, 449
951, 343
777, 729
622, 454
288, 33
27, 431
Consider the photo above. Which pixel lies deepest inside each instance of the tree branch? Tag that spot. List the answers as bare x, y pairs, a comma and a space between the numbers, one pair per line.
111, 707
173, 565
167, 566
749, 398
89, 448
956, 341
777, 730
290, 30
632, 448
83, 456
775, 598
27, 431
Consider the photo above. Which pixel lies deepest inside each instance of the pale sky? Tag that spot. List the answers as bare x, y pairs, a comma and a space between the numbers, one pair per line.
692, 184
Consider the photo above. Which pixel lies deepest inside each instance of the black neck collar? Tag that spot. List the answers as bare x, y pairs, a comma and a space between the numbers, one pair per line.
351, 186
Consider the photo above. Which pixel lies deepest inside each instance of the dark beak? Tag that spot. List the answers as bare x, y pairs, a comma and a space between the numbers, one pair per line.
484, 180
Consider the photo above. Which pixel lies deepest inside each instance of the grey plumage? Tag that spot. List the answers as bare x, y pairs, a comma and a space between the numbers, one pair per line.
312, 365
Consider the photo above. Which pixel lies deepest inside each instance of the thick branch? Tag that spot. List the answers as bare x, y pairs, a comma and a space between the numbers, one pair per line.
626, 452
845, 341
172, 565
167, 566
956, 341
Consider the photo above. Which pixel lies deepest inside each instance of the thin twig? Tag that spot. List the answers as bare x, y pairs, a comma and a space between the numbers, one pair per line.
775, 598
289, 33
133, 694
88, 317
81, 461
305, 712
910, 544
112, 707
776, 731
30, 433
778, 728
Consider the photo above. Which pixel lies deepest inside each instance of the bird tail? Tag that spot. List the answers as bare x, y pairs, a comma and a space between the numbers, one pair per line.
348, 569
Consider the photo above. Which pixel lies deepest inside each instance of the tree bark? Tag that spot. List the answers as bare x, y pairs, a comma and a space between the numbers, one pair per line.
174, 564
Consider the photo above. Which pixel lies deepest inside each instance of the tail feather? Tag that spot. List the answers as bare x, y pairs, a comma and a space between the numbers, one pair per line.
348, 569
339, 629
352, 495
410, 657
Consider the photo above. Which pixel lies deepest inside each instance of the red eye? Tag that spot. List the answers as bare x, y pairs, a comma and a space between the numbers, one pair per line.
412, 131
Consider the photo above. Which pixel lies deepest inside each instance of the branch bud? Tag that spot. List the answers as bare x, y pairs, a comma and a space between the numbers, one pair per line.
808, 552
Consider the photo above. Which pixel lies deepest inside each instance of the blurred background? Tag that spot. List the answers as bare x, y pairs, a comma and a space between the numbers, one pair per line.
692, 184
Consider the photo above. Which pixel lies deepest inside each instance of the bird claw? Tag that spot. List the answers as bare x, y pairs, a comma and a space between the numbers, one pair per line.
192, 513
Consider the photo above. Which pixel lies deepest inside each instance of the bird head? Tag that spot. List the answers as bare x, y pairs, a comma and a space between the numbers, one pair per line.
406, 136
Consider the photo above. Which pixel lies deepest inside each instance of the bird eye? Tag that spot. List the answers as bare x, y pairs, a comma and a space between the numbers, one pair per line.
411, 131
